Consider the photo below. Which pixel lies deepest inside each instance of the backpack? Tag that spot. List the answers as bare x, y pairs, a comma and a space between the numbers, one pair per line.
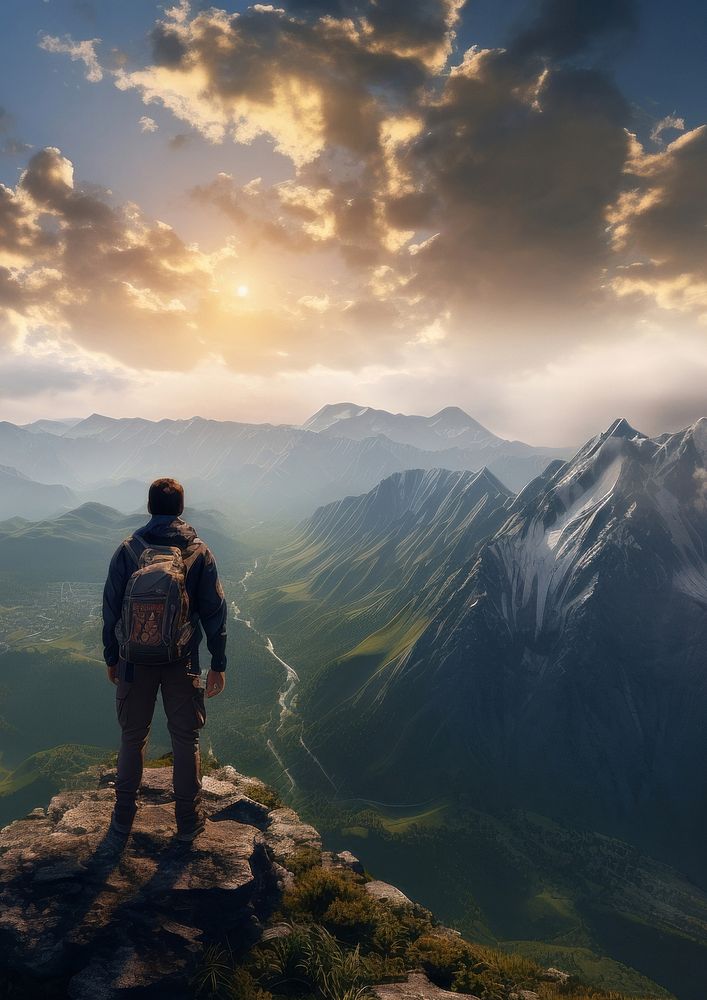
156, 625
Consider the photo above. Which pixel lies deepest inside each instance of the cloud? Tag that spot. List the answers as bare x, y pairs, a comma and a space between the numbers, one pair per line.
660, 226
179, 141
510, 159
147, 124
10, 146
562, 29
309, 84
100, 275
26, 377
77, 269
669, 122
84, 51
495, 210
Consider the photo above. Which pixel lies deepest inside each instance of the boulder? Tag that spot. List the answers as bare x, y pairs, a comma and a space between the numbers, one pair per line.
389, 894
342, 859
287, 834
416, 987
553, 975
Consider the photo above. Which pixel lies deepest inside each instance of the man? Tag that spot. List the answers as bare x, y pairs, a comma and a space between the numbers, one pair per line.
138, 682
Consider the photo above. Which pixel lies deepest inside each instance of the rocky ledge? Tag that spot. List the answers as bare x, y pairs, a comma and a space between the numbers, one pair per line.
87, 915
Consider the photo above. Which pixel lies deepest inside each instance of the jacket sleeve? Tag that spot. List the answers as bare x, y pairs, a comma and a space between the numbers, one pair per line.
213, 611
118, 574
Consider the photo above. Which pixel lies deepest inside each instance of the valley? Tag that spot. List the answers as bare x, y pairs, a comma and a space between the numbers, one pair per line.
460, 682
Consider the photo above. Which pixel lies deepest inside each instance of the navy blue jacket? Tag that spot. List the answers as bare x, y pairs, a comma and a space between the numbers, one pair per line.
206, 598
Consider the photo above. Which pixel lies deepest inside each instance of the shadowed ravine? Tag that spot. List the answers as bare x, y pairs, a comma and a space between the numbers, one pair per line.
287, 696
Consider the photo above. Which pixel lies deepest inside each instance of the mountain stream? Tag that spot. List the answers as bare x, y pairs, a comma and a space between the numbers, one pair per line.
287, 696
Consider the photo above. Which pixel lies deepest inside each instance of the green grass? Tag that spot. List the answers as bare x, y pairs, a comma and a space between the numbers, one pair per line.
60, 763
599, 970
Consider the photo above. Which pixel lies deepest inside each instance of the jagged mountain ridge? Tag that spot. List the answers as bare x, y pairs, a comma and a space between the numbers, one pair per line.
260, 468
373, 559
565, 671
432, 433
514, 462
413, 523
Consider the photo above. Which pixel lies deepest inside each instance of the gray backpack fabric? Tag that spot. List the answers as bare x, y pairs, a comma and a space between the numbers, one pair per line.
156, 625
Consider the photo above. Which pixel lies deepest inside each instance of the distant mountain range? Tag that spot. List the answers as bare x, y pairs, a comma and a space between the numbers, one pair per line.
249, 469
21, 495
544, 650
78, 544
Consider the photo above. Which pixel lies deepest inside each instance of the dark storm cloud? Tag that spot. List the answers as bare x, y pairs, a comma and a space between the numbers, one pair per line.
262, 59
423, 26
514, 171
562, 29
167, 47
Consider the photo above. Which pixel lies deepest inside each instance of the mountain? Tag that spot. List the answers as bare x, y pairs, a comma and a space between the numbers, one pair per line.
366, 560
561, 669
255, 908
450, 425
50, 426
20, 494
77, 545
257, 470
514, 462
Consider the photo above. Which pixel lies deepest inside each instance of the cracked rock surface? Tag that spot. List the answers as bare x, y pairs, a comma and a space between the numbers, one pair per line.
91, 915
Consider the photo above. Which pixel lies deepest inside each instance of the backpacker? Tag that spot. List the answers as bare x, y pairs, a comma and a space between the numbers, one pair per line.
156, 625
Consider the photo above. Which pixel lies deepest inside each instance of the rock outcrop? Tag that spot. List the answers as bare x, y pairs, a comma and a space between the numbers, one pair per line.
91, 916
416, 987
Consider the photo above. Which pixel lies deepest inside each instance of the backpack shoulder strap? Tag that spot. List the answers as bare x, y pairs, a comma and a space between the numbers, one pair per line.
193, 551
135, 545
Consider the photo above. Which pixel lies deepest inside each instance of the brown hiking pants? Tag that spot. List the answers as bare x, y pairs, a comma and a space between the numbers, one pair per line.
186, 715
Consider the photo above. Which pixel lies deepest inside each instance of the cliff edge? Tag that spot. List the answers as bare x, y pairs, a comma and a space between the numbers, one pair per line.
253, 909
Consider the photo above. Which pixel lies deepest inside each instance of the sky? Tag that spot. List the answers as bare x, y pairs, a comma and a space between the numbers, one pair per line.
248, 211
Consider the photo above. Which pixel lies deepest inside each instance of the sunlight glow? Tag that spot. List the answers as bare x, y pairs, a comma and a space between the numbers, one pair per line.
242, 291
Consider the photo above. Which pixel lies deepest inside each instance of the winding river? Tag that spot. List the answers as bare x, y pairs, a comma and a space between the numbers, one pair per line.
287, 696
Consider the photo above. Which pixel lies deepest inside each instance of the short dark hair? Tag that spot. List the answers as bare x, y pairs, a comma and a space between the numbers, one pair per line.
166, 496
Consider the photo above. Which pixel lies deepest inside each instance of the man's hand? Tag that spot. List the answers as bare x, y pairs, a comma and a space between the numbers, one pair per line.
215, 682
113, 673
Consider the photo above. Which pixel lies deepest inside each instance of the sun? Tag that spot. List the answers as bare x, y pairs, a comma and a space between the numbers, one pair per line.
242, 291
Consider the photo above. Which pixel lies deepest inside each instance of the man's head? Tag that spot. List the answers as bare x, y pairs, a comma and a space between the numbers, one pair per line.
166, 496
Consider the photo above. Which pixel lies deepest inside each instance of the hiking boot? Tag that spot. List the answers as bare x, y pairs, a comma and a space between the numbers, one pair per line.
188, 830
121, 821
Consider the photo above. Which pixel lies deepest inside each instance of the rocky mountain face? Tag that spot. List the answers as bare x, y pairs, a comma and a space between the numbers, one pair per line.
564, 669
254, 909
262, 469
404, 535
372, 561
